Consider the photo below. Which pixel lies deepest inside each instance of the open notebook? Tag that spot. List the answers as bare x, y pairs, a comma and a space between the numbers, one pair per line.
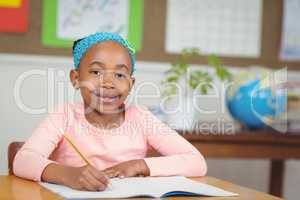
156, 187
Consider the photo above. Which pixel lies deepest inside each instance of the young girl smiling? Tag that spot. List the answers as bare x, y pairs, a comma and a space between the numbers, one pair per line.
113, 137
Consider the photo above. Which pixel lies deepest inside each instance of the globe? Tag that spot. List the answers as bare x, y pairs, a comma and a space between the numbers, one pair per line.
254, 103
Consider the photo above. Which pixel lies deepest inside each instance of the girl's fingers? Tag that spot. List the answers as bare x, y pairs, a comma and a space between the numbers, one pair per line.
111, 173
121, 175
86, 185
94, 182
99, 175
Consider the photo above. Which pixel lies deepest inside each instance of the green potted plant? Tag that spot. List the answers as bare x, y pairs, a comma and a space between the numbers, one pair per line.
179, 70
179, 76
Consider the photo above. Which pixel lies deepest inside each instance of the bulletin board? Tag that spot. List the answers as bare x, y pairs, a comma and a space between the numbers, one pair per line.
153, 37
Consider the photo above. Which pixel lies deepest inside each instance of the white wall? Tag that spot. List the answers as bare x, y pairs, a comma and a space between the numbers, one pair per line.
17, 125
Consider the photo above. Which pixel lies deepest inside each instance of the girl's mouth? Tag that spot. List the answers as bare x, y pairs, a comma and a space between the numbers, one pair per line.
106, 98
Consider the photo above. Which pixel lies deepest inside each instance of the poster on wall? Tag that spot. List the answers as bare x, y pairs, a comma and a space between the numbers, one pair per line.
290, 37
10, 3
13, 19
228, 28
67, 20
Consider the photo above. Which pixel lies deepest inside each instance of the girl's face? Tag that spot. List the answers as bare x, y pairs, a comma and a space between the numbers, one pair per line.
104, 77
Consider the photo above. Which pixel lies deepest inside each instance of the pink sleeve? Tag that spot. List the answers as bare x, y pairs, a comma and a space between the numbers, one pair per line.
179, 156
32, 158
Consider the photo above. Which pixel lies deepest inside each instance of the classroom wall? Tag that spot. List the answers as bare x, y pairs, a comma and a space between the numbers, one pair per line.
154, 37
17, 126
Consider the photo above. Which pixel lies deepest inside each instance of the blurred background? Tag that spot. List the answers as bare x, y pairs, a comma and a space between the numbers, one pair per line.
237, 61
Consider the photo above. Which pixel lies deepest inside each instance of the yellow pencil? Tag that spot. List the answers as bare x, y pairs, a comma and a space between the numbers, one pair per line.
77, 150
81, 155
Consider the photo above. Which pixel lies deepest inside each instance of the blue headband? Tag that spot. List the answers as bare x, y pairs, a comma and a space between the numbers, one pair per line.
85, 44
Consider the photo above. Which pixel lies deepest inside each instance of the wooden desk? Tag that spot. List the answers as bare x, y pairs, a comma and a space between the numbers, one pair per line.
262, 144
12, 187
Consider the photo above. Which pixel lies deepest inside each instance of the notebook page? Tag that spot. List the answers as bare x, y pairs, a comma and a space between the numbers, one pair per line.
186, 185
159, 186
141, 186
120, 188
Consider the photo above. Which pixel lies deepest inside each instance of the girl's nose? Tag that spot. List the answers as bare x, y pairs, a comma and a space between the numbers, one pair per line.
107, 80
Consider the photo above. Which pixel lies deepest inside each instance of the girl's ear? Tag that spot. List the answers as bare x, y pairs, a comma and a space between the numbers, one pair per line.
74, 77
132, 81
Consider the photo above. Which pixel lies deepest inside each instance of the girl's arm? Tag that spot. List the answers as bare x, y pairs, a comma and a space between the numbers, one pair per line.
179, 156
32, 162
32, 158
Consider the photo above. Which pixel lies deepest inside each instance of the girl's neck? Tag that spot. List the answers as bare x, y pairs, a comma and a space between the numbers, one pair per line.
105, 120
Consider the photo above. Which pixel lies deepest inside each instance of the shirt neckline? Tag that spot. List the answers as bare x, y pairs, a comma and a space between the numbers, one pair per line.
97, 129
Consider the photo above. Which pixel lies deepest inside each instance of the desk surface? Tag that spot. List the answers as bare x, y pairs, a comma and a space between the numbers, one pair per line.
12, 187
264, 136
261, 144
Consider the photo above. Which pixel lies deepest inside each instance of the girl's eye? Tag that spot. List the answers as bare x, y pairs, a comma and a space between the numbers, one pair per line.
97, 73
120, 75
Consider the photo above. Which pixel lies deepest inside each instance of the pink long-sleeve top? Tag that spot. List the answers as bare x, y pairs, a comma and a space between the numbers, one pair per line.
104, 148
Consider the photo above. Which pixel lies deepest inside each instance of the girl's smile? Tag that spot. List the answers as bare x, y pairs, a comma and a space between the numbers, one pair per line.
105, 98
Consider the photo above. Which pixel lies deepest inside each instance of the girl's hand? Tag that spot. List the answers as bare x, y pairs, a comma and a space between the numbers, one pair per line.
86, 178
128, 169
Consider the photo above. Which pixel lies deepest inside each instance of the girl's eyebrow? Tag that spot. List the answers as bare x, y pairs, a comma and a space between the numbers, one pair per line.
122, 66
99, 63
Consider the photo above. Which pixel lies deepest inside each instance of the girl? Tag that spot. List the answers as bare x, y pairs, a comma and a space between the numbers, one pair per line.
114, 139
